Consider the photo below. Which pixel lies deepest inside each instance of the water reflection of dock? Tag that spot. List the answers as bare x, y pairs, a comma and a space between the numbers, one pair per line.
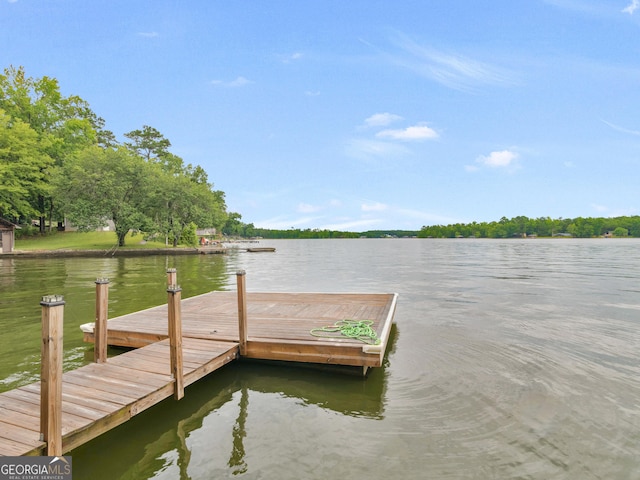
228, 396
215, 328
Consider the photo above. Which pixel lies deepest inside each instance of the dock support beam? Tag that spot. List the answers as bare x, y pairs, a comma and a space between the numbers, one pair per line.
100, 328
242, 311
51, 373
175, 339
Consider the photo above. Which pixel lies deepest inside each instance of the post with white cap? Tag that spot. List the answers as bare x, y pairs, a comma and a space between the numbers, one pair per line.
51, 373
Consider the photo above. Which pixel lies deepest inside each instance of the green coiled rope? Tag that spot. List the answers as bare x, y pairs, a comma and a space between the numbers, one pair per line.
357, 329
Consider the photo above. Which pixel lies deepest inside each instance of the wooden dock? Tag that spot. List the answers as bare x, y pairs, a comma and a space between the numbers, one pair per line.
101, 396
214, 329
279, 325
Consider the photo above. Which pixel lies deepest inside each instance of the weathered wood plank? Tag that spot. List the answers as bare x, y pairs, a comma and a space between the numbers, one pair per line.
72, 406
16, 405
99, 397
311, 353
88, 397
82, 435
18, 441
30, 394
212, 366
152, 398
105, 386
20, 419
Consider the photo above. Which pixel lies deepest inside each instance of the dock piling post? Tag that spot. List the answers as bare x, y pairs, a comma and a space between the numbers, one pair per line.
100, 328
51, 373
171, 277
242, 311
175, 339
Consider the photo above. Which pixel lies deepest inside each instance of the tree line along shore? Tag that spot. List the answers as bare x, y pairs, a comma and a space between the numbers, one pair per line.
517, 227
60, 166
521, 226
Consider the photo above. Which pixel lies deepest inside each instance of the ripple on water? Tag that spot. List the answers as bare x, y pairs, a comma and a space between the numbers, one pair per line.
505, 403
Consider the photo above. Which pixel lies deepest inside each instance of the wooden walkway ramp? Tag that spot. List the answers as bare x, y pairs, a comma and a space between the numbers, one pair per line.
101, 396
175, 345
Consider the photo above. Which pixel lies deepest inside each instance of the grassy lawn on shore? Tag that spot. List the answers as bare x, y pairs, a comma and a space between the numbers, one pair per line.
82, 241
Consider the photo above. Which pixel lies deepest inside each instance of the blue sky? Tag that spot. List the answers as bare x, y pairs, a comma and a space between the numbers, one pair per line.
357, 115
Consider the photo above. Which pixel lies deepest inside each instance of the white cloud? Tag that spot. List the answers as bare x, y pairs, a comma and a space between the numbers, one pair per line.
382, 119
425, 216
350, 225
290, 57
374, 207
621, 129
503, 158
307, 208
310, 93
284, 223
632, 7
416, 132
238, 82
365, 149
450, 69
614, 212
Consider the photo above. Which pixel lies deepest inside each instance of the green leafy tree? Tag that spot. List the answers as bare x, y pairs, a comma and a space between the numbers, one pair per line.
233, 225
543, 226
175, 203
188, 236
620, 232
179, 198
98, 185
181, 194
150, 144
63, 124
22, 167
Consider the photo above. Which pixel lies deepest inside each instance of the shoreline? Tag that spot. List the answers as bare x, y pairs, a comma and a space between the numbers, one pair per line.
119, 252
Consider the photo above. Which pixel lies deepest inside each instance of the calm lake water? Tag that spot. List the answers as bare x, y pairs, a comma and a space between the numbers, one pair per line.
510, 359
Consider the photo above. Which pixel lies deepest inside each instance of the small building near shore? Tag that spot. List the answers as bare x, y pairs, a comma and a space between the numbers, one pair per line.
206, 236
7, 236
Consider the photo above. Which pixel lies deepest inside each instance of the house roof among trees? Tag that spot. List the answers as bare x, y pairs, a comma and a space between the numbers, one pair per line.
7, 224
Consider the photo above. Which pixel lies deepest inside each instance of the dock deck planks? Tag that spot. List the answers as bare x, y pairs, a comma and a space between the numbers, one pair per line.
279, 325
99, 397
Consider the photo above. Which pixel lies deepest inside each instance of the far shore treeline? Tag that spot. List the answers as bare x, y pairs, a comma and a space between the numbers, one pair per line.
539, 227
517, 227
